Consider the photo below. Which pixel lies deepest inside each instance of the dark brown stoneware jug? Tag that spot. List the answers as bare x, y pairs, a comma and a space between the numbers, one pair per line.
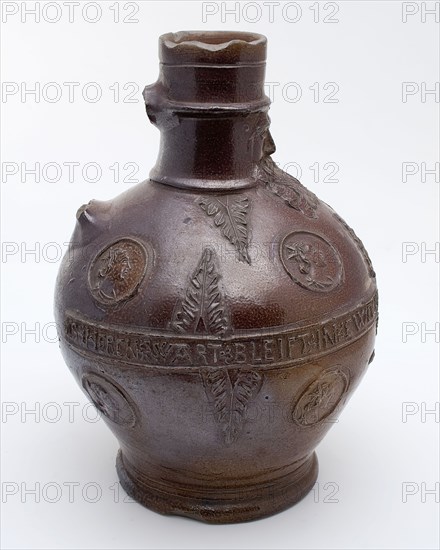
219, 315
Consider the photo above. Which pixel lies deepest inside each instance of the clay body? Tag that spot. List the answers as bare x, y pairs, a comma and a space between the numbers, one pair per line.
219, 315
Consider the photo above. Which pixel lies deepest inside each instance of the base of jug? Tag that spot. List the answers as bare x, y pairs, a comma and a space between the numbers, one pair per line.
233, 505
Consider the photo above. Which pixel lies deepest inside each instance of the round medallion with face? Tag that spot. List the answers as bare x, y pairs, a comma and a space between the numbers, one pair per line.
321, 398
117, 271
311, 261
110, 400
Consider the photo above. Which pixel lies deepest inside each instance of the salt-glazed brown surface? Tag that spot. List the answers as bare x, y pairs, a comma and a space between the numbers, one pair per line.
219, 315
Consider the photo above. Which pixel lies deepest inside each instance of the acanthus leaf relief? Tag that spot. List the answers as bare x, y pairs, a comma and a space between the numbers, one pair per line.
287, 188
202, 311
230, 391
230, 216
358, 242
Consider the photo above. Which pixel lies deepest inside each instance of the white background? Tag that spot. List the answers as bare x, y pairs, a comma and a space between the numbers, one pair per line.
379, 462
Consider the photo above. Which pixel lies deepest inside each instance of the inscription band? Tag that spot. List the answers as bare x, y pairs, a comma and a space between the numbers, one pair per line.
266, 348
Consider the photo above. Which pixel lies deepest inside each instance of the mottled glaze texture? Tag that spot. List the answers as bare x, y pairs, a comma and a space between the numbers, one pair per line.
218, 314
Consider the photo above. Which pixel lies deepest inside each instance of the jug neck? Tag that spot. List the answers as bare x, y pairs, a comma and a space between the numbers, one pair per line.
210, 107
